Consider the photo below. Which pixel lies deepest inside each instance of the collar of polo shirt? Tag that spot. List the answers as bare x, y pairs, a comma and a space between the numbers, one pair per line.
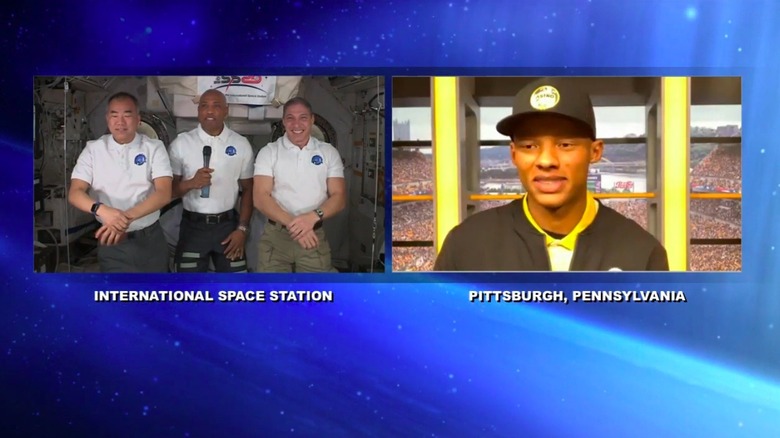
205, 136
568, 242
136, 141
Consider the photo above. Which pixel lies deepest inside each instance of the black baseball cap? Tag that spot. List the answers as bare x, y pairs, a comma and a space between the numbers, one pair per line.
556, 95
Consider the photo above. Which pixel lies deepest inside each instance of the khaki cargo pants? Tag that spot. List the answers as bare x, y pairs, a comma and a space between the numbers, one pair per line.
280, 253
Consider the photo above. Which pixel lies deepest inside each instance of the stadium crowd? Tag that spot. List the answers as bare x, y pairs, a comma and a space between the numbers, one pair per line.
634, 209
705, 227
727, 210
709, 184
413, 221
411, 166
722, 162
716, 258
710, 219
413, 259
413, 188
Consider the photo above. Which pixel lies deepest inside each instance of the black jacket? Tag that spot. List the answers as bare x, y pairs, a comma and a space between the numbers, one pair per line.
502, 239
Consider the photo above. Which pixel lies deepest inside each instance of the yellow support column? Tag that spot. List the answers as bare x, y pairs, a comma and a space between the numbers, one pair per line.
675, 162
446, 157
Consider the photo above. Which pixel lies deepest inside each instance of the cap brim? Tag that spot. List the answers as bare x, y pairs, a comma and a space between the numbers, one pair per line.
506, 126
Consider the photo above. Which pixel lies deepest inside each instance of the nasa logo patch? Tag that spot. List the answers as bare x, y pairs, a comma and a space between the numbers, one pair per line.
317, 160
140, 159
545, 97
230, 150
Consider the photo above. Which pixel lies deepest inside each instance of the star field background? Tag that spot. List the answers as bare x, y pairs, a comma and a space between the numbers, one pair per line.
395, 355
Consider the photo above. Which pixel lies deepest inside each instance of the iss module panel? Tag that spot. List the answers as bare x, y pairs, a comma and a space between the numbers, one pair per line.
287, 87
37, 140
357, 156
247, 90
63, 124
154, 127
373, 168
358, 146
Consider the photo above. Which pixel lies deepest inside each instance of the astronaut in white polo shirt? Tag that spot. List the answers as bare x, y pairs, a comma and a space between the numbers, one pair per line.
299, 183
124, 179
211, 230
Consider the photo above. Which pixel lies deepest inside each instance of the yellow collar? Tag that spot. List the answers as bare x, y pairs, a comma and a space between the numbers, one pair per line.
568, 242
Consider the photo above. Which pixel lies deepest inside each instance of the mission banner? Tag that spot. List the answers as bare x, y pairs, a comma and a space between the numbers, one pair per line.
245, 90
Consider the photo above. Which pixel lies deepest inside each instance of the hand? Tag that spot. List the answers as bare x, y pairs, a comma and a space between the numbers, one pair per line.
308, 240
302, 223
108, 236
113, 218
235, 245
201, 179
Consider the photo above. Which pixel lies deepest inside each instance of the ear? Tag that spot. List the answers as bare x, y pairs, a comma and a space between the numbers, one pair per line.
596, 151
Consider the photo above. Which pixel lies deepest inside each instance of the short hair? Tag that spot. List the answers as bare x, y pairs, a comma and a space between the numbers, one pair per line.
125, 95
296, 100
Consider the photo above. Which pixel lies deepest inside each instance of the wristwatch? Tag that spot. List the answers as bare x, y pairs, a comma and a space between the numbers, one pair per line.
95, 207
243, 228
320, 213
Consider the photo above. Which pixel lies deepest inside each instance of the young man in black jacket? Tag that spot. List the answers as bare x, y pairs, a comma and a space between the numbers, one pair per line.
558, 225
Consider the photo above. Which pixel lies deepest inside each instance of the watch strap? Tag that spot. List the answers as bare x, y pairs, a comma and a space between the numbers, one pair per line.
95, 208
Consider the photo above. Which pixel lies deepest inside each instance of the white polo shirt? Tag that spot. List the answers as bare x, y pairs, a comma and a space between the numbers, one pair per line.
300, 174
231, 159
121, 176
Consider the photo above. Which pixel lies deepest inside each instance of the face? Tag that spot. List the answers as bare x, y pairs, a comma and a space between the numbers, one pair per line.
212, 111
552, 155
123, 120
298, 121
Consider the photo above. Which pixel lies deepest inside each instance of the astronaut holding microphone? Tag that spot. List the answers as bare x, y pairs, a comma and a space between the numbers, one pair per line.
210, 163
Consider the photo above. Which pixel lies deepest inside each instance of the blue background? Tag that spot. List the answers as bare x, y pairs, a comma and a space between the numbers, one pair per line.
404, 354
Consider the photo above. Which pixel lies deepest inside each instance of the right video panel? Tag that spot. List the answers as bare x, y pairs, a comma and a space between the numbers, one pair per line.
543, 149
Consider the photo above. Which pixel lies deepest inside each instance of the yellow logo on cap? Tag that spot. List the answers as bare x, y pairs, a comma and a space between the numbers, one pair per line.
545, 97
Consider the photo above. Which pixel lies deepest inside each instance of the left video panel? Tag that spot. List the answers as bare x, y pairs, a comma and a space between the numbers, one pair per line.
228, 174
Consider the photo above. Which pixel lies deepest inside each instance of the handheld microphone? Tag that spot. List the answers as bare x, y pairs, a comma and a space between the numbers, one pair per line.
204, 192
